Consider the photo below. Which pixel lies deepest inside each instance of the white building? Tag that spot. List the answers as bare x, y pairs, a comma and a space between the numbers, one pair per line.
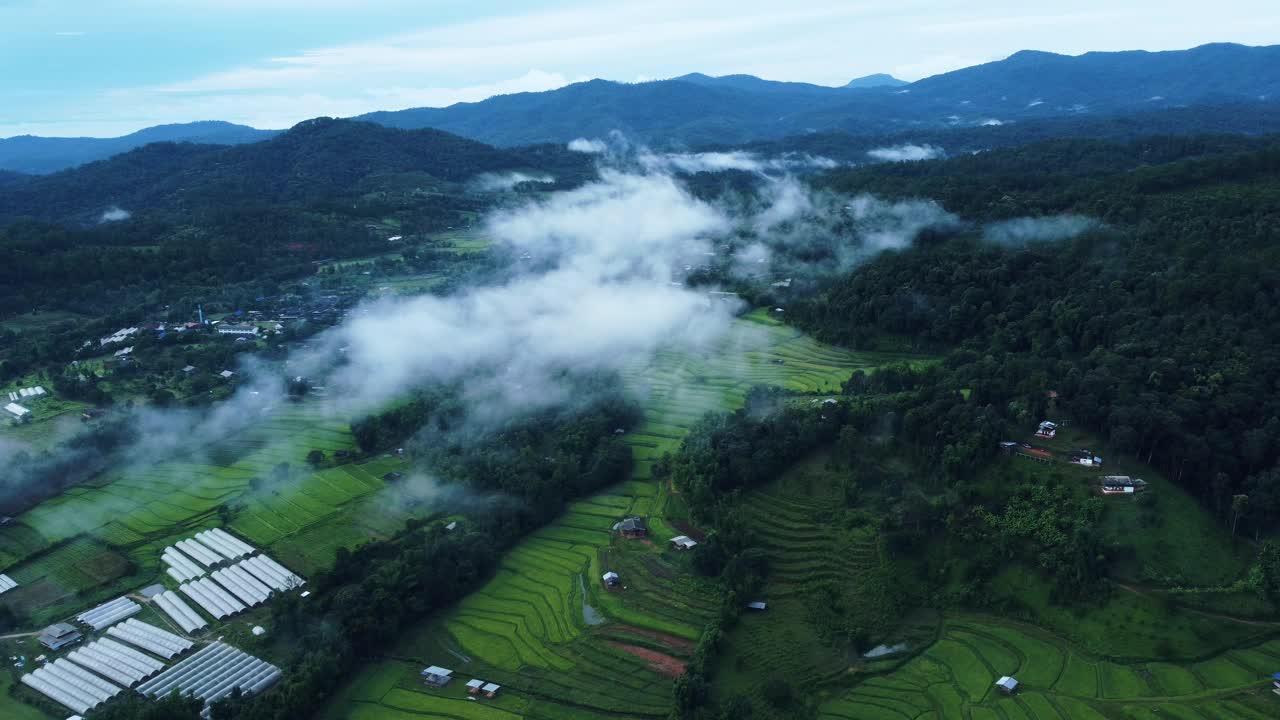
227, 329
17, 410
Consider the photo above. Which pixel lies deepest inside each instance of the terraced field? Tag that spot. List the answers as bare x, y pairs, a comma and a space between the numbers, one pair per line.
955, 678
679, 388
128, 516
544, 627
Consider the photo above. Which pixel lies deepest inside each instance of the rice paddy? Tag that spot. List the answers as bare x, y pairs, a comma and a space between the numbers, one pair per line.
545, 627
955, 677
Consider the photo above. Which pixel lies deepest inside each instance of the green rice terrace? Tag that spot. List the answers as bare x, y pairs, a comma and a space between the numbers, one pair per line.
96, 540
955, 678
827, 561
545, 627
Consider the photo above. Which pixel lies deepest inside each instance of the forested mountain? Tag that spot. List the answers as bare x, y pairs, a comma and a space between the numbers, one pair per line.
317, 159
9, 178
1158, 328
876, 80
697, 109
1238, 118
32, 154
204, 222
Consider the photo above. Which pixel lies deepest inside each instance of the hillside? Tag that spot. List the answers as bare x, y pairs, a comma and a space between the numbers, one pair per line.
698, 109
317, 159
32, 154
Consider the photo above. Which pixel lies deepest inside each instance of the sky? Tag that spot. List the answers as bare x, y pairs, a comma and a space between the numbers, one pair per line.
108, 67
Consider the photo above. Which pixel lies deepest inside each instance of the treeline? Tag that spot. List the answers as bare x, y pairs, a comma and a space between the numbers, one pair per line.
509, 477
1161, 329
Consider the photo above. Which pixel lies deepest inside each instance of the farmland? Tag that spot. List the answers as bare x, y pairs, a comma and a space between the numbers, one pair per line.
954, 678
544, 626
96, 540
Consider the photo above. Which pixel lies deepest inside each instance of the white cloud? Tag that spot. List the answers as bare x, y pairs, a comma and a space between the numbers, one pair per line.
906, 153
583, 145
114, 213
500, 182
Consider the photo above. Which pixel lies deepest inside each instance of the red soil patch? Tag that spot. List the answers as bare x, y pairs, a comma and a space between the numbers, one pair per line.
677, 644
659, 663
689, 530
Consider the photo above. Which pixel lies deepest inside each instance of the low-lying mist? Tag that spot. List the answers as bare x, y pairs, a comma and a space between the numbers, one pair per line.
602, 283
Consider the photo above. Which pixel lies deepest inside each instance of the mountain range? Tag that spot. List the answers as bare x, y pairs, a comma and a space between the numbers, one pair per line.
698, 110
33, 154
317, 160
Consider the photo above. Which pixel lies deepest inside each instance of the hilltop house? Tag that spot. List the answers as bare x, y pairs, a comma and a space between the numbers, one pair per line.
1007, 685
1047, 429
611, 579
632, 527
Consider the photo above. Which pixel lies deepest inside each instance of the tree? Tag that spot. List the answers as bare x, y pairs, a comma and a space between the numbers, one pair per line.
315, 458
1239, 506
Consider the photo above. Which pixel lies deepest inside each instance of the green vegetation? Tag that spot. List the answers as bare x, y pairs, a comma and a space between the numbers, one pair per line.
544, 626
956, 678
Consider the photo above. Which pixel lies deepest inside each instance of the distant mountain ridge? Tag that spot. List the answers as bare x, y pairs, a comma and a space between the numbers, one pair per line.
317, 160
699, 109
876, 80
32, 154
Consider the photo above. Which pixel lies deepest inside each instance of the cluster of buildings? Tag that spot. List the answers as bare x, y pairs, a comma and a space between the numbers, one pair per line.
20, 412
438, 677
128, 653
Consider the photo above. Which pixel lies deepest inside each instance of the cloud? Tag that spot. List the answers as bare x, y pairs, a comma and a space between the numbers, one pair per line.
1021, 231
583, 145
734, 160
501, 182
70, 33
906, 153
991, 122
114, 214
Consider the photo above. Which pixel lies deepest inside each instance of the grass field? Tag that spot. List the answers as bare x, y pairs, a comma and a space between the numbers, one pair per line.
954, 678
544, 626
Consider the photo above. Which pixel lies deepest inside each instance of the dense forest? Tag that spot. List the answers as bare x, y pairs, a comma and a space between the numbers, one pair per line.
1158, 327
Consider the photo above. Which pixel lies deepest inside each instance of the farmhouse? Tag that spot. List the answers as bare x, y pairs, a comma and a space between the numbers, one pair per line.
188, 368
474, 685
683, 542
225, 374
57, 636
437, 676
230, 329
632, 527
1122, 485
491, 689
611, 579
757, 605
1047, 429
1007, 685
6, 583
